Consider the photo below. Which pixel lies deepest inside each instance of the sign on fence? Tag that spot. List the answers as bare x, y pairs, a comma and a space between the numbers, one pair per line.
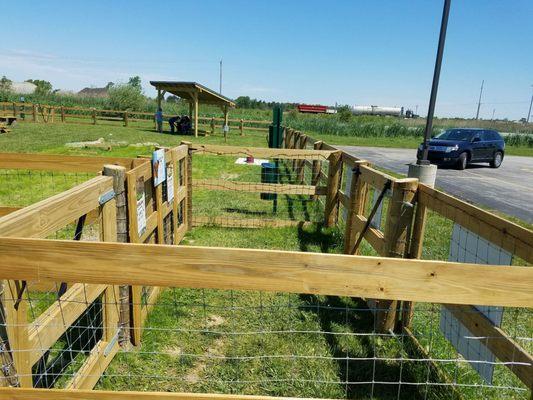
141, 206
158, 166
170, 183
466, 246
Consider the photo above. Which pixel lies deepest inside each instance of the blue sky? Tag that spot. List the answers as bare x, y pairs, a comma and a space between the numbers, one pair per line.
350, 52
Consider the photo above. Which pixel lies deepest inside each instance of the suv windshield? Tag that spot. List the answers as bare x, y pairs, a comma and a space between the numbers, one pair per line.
464, 135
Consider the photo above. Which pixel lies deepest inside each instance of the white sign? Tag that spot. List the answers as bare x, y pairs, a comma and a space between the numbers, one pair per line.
170, 183
468, 247
158, 166
141, 207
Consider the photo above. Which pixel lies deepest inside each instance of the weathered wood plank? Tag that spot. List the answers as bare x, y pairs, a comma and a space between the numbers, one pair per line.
266, 270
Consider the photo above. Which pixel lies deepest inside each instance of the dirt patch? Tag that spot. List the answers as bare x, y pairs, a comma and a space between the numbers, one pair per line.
226, 175
195, 373
214, 320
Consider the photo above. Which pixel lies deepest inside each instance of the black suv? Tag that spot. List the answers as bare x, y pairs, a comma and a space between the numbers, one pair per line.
461, 146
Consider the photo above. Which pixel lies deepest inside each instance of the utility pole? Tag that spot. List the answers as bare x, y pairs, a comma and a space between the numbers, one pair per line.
435, 85
530, 103
493, 111
220, 86
479, 100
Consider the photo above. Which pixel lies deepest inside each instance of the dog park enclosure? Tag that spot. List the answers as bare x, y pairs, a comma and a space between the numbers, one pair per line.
77, 274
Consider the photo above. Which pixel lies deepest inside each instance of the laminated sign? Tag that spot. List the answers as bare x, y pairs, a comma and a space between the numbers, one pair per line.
141, 206
158, 166
170, 183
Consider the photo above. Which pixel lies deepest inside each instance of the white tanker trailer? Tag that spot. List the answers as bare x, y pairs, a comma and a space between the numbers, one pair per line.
377, 110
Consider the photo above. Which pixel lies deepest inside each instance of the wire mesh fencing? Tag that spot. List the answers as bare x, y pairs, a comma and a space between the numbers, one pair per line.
235, 191
281, 344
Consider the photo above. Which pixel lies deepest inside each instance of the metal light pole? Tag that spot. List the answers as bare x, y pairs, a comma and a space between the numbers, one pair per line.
530, 103
435, 86
220, 78
479, 100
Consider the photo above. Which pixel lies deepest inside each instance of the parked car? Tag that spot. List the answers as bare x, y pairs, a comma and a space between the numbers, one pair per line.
461, 146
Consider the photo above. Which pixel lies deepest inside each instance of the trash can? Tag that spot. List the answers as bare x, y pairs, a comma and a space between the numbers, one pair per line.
269, 174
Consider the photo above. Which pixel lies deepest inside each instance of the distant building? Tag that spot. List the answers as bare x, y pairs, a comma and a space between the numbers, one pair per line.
23, 87
95, 92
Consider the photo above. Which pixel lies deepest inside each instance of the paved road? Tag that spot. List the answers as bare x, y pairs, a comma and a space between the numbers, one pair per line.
508, 189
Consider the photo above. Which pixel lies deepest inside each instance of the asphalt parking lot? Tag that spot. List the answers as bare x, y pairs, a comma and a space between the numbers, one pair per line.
508, 189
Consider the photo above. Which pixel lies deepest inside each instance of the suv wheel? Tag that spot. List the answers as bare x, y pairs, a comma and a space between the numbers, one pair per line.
497, 160
462, 162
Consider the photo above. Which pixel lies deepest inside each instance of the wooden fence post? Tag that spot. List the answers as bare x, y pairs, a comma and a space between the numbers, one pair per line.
188, 179
119, 186
125, 118
35, 113
212, 125
94, 116
241, 127
15, 109
316, 168
356, 206
52, 114
332, 190
62, 114
16, 320
301, 164
398, 223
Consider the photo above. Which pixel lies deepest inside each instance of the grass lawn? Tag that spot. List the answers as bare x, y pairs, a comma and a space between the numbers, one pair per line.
262, 343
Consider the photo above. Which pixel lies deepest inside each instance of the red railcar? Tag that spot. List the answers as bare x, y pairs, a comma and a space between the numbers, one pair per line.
306, 108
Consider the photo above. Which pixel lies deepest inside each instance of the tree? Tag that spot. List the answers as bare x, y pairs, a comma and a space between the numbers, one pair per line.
135, 81
43, 87
5, 84
126, 97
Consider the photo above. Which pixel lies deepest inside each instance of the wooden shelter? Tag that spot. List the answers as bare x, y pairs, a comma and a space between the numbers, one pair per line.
195, 94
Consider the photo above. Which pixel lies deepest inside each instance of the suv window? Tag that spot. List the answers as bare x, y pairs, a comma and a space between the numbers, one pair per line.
495, 135
486, 136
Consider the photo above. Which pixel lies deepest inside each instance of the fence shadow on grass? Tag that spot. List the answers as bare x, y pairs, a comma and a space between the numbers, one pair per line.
377, 370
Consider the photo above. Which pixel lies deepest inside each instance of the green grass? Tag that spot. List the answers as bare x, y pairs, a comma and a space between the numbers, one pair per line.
189, 345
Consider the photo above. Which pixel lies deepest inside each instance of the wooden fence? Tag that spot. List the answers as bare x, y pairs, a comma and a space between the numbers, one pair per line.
403, 236
396, 279
43, 113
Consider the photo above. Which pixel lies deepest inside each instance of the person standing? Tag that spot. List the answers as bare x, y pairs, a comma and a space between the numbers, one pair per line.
159, 119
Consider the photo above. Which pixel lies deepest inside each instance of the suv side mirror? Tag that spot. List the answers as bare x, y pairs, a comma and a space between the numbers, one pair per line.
476, 139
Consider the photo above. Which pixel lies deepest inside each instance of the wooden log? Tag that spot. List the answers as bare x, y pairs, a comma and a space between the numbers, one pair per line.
266, 270
334, 175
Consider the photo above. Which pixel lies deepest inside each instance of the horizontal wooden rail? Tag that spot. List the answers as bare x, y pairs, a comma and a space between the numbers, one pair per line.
256, 187
510, 236
497, 341
51, 324
261, 152
230, 222
58, 394
52, 162
47, 216
265, 270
